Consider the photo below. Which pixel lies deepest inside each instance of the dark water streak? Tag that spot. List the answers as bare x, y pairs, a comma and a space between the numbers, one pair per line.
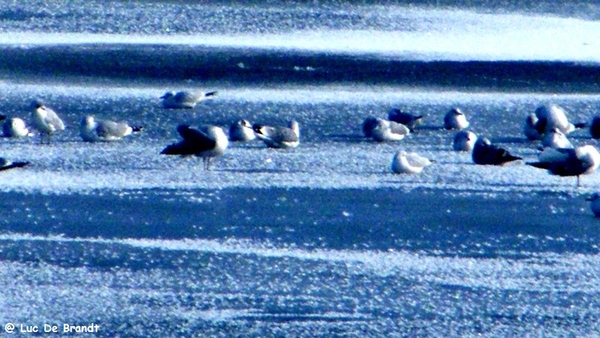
286, 66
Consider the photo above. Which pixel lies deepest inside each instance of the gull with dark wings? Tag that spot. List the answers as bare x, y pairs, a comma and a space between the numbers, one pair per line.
206, 142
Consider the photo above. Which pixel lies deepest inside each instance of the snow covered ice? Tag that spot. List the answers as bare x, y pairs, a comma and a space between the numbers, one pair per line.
319, 240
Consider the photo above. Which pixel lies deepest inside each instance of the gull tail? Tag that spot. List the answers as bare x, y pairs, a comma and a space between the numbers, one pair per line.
14, 165
580, 125
541, 165
510, 158
137, 129
210, 94
173, 149
2, 117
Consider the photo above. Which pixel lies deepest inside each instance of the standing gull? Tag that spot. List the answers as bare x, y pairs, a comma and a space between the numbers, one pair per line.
7, 164
582, 160
389, 131
464, 141
241, 131
92, 130
455, 119
206, 142
408, 163
184, 99
486, 153
15, 127
46, 121
279, 137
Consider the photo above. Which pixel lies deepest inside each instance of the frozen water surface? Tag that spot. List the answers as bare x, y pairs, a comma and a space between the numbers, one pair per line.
320, 240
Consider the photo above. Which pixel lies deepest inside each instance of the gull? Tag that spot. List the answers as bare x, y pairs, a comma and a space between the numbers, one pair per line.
530, 127
556, 139
595, 203
408, 163
46, 121
407, 119
486, 153
579, 161
92, 130
279, 137
15, 127
464, 141
552, 116
206, 142
368, 125
595, 127
241, 131
7, 164
455, 119
389, 131
184, 99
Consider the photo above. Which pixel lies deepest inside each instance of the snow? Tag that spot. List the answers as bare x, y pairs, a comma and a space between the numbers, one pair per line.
320, 240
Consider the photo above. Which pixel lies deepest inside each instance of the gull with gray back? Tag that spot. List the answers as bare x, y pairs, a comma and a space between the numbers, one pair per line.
241, 131
579, 161
184, 99
389, 131
486, 153
455, 119
279, 137
464, 141
15, 127
407, 119
408, 163
92, 130
46, 121
206, 142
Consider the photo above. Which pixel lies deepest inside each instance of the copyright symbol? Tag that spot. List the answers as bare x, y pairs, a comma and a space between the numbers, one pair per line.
9, 328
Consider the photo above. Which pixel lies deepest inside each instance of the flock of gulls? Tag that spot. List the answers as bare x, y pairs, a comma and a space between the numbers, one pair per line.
548, 124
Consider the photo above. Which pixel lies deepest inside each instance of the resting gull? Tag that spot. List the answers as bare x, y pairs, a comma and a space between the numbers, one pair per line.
407, 119
455, 119
368, 125
184, 99
279, 137
549, 117
241, 131
408, 163
556, 139
595, 203
595, 127
464, 141
486, 153
389, 131
92, 130
15, 127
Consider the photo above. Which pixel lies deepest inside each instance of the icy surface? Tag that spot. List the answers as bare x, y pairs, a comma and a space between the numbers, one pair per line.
320, 240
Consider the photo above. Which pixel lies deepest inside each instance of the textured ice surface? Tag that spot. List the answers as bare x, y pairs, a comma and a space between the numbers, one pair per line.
333, 153
415, 33
321, 240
